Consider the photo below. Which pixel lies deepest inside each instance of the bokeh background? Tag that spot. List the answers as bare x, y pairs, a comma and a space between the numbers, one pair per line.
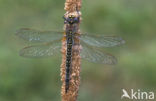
23, 79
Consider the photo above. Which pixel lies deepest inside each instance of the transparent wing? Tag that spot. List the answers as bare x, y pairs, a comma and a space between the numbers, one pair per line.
102, 41
33, 35
97, 56
43, 50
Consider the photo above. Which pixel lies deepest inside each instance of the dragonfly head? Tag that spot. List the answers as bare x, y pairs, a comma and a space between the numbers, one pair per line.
71, 19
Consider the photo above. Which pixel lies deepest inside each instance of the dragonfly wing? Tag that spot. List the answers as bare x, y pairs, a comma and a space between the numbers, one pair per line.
42, 50
96, 55
102, 41
34, 35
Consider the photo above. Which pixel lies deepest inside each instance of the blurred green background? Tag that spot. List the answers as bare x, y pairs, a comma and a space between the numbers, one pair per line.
23, 79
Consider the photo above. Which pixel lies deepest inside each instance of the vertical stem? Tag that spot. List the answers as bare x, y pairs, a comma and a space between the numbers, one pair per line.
71, 6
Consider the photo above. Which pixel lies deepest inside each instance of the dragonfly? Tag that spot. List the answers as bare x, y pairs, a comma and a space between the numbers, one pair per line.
48, 43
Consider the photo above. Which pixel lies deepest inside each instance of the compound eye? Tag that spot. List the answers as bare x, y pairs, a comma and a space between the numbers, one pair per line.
76, 19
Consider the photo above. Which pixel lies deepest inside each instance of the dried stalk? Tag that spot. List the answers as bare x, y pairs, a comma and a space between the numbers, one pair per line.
72, 7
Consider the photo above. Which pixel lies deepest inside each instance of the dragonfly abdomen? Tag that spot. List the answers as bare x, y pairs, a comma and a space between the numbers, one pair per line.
68, 60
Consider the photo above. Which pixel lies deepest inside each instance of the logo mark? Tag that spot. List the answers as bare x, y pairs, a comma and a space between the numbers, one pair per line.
125, 94
140, 95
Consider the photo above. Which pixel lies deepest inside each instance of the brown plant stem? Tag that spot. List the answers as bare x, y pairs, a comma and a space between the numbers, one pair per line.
71, 7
